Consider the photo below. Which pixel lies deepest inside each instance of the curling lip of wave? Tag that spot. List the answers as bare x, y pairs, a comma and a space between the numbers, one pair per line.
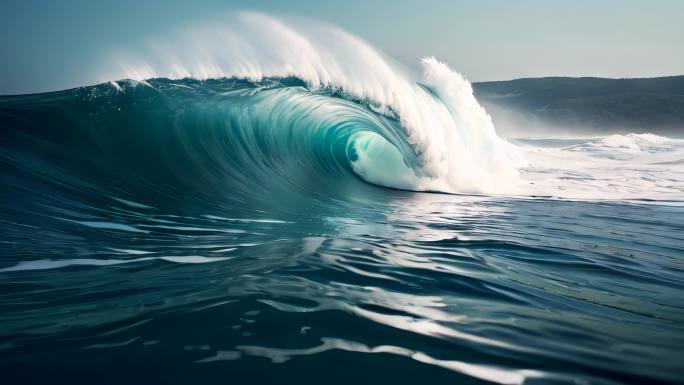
450, 133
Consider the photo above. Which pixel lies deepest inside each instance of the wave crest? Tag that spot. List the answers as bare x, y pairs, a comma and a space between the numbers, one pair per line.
450, 134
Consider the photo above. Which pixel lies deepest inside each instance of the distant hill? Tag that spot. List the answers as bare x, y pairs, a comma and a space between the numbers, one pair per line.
585, 105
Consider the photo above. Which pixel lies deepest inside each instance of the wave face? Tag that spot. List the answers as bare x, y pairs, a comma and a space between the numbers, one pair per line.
254, 214
453, 144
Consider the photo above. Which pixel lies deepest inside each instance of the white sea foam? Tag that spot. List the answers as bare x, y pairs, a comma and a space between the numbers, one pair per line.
633, 166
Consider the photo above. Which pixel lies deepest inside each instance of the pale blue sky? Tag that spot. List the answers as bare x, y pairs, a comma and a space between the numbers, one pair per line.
48, 45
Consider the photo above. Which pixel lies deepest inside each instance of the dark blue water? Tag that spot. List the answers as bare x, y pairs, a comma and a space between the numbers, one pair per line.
175, 235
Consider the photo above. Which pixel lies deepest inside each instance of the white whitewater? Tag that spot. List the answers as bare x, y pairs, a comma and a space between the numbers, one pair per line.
615, 167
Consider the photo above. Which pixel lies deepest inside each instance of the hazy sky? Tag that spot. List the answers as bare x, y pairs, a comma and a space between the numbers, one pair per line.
48, 45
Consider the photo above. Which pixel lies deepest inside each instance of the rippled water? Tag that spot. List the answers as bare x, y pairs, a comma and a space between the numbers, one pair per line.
418, 287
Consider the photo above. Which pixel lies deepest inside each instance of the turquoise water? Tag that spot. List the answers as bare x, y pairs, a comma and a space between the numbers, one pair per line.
223, 232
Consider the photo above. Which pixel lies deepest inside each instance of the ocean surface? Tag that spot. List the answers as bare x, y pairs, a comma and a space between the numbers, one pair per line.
251, 218
170, 233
